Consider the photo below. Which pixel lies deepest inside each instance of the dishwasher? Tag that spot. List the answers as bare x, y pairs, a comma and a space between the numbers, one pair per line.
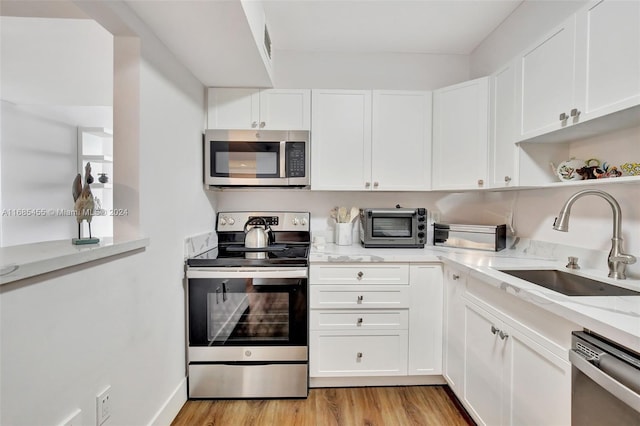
605, 382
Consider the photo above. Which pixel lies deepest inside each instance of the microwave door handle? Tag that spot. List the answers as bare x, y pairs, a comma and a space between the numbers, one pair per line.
283, 159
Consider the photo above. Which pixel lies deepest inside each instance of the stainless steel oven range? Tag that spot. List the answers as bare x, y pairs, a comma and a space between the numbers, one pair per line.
248, 309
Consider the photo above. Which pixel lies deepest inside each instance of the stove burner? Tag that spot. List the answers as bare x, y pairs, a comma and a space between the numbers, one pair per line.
227, 256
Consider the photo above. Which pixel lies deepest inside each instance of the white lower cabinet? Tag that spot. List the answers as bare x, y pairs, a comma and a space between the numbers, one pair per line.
454, 334
511, 373
509, 378
375, 320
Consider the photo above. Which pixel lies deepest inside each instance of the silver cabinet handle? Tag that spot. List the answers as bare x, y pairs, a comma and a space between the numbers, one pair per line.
360, 299
507, 179
574, 112
455, 276
262, 124
359, 355
563, 116
375, 184
502, 335
360, 275
367, 184
494, 330
254, 124
480, 182
359, 321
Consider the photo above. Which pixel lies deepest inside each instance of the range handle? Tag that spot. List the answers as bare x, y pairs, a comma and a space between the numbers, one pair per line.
616, 369
247, 273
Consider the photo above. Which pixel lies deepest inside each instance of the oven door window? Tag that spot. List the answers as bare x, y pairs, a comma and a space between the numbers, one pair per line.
245, 159
247, 311
395, 227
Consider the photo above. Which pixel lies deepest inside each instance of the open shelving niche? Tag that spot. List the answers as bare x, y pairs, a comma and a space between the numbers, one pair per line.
95, 146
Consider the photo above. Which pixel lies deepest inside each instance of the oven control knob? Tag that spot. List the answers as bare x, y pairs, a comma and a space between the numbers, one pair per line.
223, 221
303, 222
231, 221
295, 221
420, 234
247, 353
421, 227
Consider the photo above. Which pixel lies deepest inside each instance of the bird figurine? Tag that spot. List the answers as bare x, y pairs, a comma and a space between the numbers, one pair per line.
83, 198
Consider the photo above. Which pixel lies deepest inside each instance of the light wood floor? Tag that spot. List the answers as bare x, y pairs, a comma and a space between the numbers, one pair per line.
371, 406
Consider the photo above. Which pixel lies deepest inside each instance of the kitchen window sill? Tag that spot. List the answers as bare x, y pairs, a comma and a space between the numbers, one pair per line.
28, 260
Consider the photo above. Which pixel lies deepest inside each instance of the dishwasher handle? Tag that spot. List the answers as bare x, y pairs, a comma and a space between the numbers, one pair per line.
608, 382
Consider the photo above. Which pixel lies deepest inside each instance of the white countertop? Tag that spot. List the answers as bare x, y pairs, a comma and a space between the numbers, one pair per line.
615, 317
28, 260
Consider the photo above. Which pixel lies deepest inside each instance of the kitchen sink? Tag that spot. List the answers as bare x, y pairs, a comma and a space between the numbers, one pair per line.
569, 284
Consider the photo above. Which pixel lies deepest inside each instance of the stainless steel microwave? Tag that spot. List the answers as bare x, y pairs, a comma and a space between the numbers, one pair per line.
256, 158
393, 227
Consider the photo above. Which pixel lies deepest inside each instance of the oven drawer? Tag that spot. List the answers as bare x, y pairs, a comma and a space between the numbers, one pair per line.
359, 320
248, 380
356, 297
346, 353
359, 274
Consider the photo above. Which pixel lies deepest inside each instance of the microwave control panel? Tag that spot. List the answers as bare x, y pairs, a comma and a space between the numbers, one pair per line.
296, 159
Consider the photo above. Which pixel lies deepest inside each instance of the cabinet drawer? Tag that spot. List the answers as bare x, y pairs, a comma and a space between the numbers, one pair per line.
359, 320
359, 274
352, 297
345, 353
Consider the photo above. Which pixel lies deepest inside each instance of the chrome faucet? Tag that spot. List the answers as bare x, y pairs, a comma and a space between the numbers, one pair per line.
618, 260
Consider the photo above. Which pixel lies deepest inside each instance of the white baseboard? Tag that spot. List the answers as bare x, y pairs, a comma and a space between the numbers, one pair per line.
172, 406
334, 382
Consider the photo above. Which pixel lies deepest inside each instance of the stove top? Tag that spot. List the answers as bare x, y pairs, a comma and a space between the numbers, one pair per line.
294, 255
289, 248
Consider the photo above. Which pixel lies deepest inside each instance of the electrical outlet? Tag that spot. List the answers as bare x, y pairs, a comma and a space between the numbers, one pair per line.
103, 406
75, 419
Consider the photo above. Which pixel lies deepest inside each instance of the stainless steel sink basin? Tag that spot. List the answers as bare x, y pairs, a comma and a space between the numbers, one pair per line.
569, 284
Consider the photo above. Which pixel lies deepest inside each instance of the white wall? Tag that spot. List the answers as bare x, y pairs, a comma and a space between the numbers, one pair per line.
401, 71
65, 336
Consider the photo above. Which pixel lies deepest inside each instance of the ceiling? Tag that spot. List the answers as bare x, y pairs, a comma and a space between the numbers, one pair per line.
206, 35
213, 40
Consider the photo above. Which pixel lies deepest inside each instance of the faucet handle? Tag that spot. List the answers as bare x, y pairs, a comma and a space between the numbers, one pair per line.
624, 258
573, 263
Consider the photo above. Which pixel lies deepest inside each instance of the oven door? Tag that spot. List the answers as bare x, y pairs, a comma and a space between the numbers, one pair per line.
253, 307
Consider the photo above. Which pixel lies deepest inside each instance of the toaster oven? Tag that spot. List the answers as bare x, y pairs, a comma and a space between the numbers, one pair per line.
393, 227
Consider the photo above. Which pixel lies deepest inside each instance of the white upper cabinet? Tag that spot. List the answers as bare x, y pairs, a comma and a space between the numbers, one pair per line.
341, 139
370, 140
503, 152
609, 42
401, 147
547, 75
586, 68
269, 109
460, 135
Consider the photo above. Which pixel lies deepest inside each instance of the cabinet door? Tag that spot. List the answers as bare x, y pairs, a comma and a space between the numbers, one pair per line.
609, 47
454, 285
503, 152
285, 109
425, 320
547, 79
341, 140
535, 378
401, 147
233, 108
460, 135
484, 353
